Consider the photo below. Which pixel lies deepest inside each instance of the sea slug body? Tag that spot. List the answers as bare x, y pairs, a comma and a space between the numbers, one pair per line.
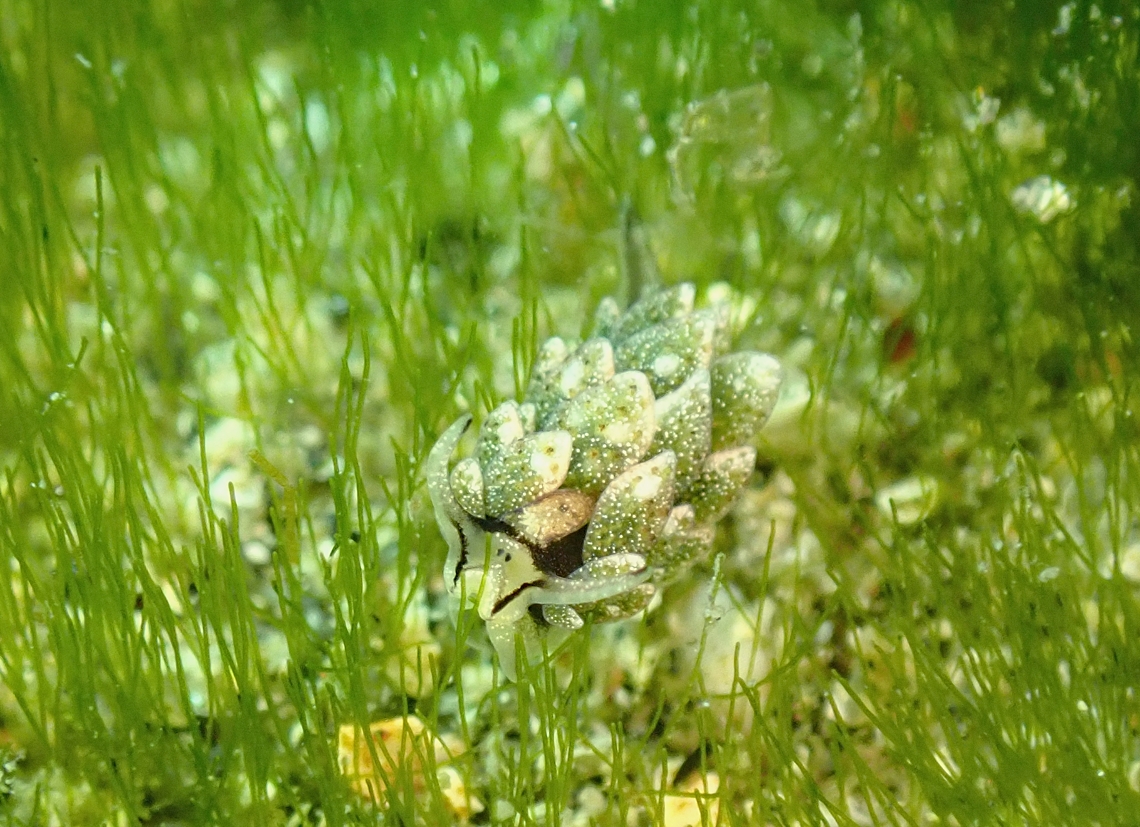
606, 481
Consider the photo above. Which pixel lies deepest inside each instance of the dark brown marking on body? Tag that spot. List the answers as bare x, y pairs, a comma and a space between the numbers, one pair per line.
462, 564
562, 557
505, 601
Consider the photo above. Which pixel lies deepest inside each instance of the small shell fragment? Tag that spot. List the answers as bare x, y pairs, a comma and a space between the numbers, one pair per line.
1042, 197
375, 763
684, 808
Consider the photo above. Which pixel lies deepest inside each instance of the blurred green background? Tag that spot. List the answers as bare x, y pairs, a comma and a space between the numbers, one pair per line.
254, 257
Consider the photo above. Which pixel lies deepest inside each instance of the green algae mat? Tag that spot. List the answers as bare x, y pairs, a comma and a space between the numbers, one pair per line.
256, 259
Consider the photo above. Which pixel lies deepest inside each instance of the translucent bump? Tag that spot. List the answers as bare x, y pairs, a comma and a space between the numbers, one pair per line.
467, 485
501, 429
684, 425
664, 305
528, 416
722, 476
609, 566
612, 426
682, 543
621, 607
551, 354
526, 470
591, 364
722, 328
606, 318
668, 352
541, 388
631, 512
745, 387
598, 579
563, 617
561, 513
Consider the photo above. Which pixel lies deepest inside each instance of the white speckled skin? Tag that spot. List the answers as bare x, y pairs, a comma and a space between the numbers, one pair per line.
607, 480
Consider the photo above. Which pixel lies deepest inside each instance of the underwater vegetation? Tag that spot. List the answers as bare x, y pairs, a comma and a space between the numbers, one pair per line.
257, 258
